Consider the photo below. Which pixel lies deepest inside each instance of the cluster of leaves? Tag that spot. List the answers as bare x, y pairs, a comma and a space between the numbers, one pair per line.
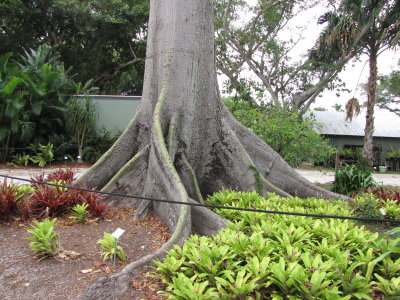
108, 247
79, 213
394, 153
44, 240
12, 200
385, 194
33, 93
49, 200
378, 203
42, 155
284, 131
352, 179
266, 256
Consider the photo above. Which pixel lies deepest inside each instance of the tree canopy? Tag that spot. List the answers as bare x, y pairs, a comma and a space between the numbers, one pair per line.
388, 92
100, 39
258, 43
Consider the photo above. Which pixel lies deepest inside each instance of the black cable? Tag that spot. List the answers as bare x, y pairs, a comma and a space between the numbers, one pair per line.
207, 205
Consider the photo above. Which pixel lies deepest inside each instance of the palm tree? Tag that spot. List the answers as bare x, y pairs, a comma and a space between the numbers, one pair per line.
13, 123
382, 34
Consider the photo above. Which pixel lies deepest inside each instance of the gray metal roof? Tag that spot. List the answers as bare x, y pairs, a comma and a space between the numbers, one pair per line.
387, 124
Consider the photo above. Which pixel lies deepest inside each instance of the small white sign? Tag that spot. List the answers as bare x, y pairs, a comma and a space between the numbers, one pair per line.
118, 232
383, 212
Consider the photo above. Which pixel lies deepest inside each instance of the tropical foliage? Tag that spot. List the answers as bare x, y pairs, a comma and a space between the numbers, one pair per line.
109, 248
44, 240
351, 179
100, 39
267, 256
81, 120
34, 94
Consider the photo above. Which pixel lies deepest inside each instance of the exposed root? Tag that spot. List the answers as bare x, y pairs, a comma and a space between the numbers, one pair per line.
108, 288
266, 184
126, 168
194, 179
273, 168
172, 144
205, 221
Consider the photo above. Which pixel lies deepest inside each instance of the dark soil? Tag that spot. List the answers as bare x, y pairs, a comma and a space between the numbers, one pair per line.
22, 276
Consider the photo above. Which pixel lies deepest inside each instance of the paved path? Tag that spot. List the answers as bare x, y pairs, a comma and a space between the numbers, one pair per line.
28, 173
314, 176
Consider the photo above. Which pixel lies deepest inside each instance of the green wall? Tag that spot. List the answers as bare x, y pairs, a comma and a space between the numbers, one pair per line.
115, 112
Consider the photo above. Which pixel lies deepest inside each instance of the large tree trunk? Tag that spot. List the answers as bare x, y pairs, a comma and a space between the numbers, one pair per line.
183, 144
368, 152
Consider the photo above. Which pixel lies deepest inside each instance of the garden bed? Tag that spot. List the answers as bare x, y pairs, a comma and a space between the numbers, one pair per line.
22, 276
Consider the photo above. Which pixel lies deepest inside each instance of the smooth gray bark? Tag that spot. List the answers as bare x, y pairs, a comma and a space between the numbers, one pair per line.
182, 122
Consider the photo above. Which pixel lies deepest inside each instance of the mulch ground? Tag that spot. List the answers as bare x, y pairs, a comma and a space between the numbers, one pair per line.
22, 276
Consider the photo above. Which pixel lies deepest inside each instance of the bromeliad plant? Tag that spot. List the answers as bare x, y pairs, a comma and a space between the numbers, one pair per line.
79, 213
275, 256
108, 247
44, 241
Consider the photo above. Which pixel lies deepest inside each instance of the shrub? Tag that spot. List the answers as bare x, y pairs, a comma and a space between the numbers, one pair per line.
66, 175
370, 206
20, 159
368, 209
108, 247
352, 179
51, 200
385, 194
96, 207
275, 256
57, 201
43, 154
8, 201
292, 136
44, 241
14, 200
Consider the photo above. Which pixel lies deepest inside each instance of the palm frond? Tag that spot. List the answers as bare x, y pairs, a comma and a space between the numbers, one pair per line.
352, 109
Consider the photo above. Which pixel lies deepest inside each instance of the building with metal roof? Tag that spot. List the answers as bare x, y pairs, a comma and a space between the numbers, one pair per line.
350, 134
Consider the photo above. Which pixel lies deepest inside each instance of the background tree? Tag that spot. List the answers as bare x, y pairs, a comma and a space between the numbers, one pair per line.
11, 106
291, 136
388, 92
81, 120
100, 39
183, 144
354, 15
258, 43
